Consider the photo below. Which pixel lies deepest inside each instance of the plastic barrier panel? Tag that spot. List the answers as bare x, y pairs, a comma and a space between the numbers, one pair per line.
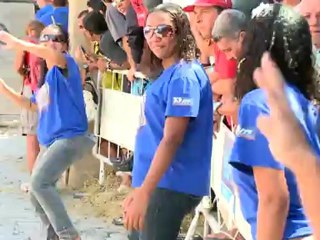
121, 117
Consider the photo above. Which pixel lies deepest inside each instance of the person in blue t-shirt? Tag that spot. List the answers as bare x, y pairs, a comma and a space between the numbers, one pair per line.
45, 7
59, 15
172, 155
268, 192
62, 126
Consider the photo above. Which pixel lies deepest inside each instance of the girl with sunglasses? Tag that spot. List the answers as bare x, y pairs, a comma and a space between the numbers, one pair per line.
62, 126
173, 148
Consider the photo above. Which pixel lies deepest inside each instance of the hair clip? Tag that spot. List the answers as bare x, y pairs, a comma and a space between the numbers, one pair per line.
292, 64
239, 64
273, 39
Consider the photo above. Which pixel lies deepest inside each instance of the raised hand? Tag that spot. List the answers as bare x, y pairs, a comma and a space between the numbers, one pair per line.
3, 86
7, 39
281, 128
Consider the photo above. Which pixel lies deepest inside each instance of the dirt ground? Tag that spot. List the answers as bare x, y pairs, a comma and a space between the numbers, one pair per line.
102, 201
105, 201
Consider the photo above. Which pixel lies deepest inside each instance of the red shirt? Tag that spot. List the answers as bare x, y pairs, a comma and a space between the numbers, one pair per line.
226, 69
141, 11
223, 67
34, 66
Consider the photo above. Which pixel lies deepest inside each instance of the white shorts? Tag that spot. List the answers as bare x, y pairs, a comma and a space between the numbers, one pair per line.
29, 119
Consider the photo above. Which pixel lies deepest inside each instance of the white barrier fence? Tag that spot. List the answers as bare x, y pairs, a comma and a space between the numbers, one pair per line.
118, 119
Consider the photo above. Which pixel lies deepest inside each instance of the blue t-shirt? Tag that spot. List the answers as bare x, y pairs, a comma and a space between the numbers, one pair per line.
182, 90
60, 16
64, 114
251, 149
42, 11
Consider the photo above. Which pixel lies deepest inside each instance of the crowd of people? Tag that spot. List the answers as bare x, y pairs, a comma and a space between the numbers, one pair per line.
251, 66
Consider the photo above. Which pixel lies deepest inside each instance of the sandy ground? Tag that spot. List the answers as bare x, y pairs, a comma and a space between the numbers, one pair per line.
92, 214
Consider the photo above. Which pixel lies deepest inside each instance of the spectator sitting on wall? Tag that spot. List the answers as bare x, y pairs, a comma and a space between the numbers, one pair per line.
59, 15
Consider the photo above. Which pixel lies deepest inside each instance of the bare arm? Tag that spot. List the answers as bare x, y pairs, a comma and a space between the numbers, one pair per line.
283, 131
273, 203
16, 97
127, 49
52, 57
174, 130
307, 170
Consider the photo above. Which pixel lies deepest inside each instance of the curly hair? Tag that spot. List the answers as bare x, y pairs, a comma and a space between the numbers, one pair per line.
186, 45
285, 34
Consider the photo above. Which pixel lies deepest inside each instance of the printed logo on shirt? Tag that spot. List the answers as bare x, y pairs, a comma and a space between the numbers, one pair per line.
43, 97
248, 134
179, 101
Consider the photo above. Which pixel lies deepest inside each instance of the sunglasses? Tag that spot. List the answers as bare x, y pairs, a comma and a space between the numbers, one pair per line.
52, 37
160, 31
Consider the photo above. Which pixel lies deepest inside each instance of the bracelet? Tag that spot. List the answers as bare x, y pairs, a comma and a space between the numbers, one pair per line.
205, 65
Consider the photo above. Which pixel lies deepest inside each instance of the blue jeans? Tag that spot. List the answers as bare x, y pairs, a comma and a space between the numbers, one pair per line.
49, 167
165, 214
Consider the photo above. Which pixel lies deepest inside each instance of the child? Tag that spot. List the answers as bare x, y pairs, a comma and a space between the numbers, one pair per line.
28, 66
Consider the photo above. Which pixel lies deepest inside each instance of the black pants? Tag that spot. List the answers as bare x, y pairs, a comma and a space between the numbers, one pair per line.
165, 214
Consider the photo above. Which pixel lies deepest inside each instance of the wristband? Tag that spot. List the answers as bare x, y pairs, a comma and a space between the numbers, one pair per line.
205, 65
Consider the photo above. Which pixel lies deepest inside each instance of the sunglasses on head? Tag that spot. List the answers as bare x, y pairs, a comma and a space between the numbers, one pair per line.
52, 37
160, 31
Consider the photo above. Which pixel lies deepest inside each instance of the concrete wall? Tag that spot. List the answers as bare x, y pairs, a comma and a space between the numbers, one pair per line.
15, 16
76, 38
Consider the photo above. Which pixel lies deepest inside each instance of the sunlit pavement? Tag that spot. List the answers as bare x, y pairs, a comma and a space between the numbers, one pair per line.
17, 218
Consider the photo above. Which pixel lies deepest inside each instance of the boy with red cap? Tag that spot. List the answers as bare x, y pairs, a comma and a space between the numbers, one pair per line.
205, 13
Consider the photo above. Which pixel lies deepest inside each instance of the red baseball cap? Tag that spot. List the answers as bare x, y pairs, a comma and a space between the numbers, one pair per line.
209, 3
